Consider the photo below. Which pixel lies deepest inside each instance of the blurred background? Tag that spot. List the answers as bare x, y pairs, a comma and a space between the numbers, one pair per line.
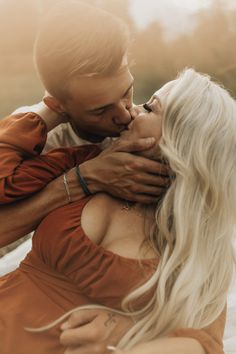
167, 36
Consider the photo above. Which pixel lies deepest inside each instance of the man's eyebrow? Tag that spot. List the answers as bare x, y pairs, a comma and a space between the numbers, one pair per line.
131, 85
110, 104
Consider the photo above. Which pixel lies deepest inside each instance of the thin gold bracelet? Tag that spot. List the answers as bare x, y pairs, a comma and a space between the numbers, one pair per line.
67, 187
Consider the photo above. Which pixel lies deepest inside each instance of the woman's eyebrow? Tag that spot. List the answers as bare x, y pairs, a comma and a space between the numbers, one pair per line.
155, 96
151, 99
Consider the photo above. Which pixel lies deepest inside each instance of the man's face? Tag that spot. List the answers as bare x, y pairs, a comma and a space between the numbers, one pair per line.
99, 106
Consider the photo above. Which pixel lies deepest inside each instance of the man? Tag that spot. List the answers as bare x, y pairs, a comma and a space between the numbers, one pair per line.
81, 58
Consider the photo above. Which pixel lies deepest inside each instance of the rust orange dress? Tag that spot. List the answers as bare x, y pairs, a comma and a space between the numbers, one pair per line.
65, 269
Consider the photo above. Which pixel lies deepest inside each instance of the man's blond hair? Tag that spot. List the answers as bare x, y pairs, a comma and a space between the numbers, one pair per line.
77, 39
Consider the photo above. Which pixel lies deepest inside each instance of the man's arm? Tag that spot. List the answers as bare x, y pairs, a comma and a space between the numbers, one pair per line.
116, 172
20, 218
107, 173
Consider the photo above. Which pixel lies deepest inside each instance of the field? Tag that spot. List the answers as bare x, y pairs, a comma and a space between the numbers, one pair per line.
19, 83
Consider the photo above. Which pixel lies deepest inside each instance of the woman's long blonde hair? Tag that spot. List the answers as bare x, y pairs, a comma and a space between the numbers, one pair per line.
196, 219
194, 222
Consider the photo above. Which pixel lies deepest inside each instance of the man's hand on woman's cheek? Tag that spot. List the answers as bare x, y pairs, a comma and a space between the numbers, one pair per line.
91, 331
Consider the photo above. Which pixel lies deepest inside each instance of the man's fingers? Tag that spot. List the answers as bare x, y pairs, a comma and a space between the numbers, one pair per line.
153, 191
143, 164
134, 146
143, 198
152, 180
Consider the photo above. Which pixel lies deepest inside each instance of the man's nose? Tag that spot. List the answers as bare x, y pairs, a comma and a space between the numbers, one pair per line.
134, 111
122, 114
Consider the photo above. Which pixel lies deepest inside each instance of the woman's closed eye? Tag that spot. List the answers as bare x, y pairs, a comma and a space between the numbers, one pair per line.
147, 107
153, 105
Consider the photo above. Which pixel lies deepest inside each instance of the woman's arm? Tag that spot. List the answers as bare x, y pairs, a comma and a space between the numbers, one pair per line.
210, 337
93, 330
167, 346
97, 335
23, 172
20, 218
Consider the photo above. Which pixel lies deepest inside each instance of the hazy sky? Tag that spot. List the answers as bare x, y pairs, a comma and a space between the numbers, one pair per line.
175, 15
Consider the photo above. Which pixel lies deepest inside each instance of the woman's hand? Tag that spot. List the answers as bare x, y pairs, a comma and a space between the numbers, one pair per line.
91, 331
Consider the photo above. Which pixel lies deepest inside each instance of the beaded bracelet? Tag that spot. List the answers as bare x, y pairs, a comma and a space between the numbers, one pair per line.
82, 182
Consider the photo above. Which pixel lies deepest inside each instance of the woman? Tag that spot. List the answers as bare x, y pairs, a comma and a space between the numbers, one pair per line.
173, 275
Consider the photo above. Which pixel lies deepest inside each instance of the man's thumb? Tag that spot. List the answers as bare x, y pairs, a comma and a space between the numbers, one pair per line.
135, 146
114, 350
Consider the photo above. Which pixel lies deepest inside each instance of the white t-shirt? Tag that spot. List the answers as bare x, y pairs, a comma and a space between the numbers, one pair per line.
61, 136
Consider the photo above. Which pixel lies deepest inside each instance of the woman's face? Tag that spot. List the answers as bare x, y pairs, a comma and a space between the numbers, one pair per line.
148, 121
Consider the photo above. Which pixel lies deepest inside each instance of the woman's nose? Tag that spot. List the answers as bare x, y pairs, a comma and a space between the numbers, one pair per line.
136, 110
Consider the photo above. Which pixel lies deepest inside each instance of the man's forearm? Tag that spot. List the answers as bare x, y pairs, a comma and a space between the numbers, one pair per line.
18, 219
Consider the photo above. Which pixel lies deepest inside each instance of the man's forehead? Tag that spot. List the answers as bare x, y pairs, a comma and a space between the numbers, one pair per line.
101, 90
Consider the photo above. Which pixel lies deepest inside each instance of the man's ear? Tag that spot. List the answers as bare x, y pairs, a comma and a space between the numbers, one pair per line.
53, 103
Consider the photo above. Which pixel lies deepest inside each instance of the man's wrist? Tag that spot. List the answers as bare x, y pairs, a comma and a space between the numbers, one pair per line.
88, 175
82, 182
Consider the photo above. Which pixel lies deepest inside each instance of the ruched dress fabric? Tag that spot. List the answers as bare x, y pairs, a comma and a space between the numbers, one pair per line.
65, 269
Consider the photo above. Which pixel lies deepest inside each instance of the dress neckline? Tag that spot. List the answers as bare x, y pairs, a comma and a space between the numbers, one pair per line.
150, 261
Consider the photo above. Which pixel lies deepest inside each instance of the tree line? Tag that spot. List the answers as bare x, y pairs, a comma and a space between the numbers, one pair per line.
209, 47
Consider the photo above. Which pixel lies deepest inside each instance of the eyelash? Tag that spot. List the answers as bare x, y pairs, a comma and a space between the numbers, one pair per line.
128, 92
102, 112
147, 107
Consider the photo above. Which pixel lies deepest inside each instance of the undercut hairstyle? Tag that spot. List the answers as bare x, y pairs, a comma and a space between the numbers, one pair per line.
77, 39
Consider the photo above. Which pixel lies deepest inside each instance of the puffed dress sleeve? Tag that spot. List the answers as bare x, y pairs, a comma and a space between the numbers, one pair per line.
23, 171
